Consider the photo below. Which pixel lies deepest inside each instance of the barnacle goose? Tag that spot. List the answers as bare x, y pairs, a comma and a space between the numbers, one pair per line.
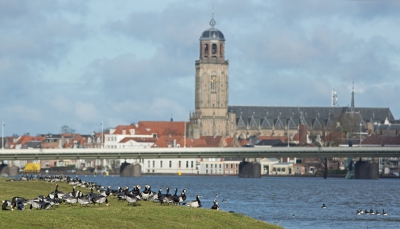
194, 203
215, 206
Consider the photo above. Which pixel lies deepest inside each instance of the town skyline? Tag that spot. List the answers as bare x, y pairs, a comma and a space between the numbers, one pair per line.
81, 64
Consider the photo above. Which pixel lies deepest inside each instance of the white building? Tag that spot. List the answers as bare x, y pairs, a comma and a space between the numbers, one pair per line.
219, 166
171, 166
128, 136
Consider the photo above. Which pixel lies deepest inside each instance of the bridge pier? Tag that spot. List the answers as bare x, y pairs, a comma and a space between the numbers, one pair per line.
366, 170
8, 171
249, 170
129, 170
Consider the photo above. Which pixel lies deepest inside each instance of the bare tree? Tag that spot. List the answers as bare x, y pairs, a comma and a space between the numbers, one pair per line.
324, 162
333, 138
67, 130
350, 123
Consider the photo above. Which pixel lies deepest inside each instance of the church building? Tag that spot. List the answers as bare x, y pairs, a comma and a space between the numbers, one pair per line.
213, 116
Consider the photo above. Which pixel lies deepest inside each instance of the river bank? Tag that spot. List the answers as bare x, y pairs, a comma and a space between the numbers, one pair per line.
146, 214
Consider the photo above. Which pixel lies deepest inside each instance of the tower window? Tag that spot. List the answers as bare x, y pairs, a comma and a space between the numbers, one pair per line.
214, 48
213, 83
206, 49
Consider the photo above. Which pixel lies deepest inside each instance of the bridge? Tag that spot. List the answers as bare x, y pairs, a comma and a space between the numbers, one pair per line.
206, 152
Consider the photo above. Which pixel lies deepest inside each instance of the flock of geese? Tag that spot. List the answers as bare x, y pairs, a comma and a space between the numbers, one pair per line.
366, 212
98, 195
371, 212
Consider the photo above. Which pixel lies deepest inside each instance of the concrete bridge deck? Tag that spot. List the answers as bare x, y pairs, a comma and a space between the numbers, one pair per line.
207, 152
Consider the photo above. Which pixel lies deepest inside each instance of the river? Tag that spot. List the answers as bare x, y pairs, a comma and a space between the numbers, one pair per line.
291, 202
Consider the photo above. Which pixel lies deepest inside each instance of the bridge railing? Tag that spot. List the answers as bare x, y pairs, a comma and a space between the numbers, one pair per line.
205, 152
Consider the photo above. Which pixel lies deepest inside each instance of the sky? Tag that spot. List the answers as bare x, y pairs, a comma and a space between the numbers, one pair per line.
83, 63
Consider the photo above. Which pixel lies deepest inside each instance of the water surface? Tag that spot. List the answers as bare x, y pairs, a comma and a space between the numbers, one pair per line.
276, 199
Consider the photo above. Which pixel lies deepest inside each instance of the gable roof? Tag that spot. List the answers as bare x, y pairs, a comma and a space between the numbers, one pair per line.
22, 140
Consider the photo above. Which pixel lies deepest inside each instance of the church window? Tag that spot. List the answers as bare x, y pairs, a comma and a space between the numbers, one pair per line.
206, 49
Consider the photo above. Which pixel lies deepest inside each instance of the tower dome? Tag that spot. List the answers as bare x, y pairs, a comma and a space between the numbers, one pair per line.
212, 33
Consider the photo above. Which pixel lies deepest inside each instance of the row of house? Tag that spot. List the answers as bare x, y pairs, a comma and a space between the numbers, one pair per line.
147, 134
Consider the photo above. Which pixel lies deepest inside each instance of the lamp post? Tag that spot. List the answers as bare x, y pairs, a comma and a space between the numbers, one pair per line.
360, 132
102, 138
184, 137
2, 135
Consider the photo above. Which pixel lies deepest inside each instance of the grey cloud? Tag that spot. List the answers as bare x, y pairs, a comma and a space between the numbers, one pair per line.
280, 53
31, 40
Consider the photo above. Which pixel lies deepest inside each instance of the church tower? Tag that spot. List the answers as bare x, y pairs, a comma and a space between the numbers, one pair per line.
210, 117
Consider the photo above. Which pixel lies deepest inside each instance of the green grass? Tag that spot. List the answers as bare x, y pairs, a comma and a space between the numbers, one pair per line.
117, 215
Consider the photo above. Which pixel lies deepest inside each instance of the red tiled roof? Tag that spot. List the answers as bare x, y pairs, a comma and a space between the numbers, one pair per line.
166, 140
138, 129
68, 145
395, 140
212, 141
244, 142
164, 128
381, 140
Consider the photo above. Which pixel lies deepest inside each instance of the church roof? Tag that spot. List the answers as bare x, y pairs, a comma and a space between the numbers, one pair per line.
311, 116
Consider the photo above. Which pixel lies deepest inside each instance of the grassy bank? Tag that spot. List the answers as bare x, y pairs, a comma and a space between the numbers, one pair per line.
116, 215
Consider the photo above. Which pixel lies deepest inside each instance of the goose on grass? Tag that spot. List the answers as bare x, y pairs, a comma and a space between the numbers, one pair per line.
194, 203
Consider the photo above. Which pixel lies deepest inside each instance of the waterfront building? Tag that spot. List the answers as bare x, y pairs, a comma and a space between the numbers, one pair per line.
281, 168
